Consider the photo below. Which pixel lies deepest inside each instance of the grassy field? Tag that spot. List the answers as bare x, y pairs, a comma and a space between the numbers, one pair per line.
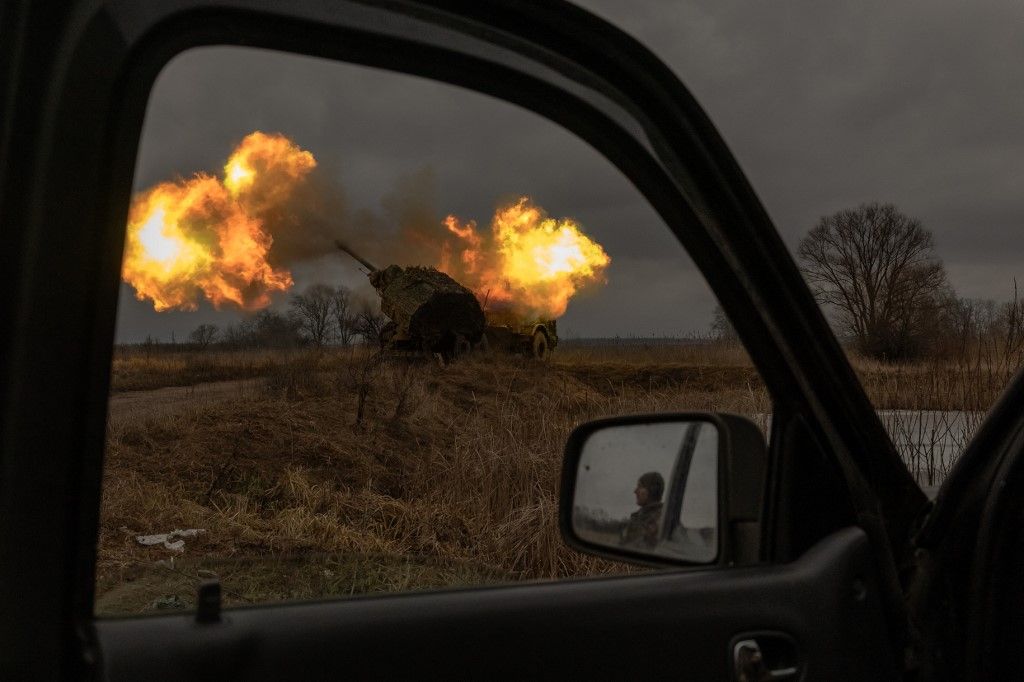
340, 473
337, 473
140, 370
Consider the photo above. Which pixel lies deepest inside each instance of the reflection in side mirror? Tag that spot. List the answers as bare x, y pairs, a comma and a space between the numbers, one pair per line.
650, 489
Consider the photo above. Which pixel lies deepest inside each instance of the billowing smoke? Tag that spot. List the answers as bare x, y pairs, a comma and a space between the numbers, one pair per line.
233, 239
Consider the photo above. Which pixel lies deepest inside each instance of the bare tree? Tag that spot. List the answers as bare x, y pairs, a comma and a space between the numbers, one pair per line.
344, 319
369, 323
312, 309
203, 335
876, 267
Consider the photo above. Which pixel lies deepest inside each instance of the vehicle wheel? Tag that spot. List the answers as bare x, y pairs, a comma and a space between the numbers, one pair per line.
454, 347
462, 346
540, 345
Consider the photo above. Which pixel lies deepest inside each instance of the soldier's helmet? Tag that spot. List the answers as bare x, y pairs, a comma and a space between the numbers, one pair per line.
654, 483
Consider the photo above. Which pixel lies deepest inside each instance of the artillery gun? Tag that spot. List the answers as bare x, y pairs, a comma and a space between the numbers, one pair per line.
428, 311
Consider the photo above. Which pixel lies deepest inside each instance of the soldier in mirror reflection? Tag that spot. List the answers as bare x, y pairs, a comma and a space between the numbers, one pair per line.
641, 530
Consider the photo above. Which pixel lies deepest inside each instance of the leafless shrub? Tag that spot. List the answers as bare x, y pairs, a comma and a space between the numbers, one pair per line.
369, 323
203, 335
344, 319
404, 379
312, 308
366, 374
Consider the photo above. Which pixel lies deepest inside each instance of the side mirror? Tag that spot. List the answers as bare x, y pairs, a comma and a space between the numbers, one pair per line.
682, 489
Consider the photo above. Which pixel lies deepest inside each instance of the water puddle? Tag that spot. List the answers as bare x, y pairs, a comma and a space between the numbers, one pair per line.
930, 441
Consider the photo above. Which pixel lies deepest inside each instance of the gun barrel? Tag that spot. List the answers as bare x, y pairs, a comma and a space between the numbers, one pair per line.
365, 263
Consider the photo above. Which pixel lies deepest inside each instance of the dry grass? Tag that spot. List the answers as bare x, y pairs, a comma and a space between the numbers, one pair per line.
933, 384
934, 406
450, 476
342, 473
137, 370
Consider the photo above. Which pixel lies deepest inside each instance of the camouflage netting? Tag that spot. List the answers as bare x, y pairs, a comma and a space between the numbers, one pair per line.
427, 305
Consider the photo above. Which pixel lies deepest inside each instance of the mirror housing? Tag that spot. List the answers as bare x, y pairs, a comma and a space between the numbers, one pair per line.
741, 470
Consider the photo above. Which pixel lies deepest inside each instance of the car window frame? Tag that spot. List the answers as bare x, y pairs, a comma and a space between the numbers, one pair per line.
111, 54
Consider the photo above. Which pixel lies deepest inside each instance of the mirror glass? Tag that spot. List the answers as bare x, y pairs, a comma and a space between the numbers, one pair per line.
650, 488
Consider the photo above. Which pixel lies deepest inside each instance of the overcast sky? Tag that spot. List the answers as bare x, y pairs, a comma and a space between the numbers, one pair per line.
825, 105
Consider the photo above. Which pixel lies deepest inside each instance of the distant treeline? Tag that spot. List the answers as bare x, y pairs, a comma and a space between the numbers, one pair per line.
319, 316
590, 342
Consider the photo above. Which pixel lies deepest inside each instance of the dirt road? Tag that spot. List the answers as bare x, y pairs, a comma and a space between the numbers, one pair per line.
172, 400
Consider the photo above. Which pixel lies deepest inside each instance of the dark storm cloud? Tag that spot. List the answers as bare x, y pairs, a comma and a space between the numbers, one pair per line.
406, 150
826, 105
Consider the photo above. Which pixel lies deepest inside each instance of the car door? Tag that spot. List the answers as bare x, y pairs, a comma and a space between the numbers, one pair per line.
839, 506
964, 591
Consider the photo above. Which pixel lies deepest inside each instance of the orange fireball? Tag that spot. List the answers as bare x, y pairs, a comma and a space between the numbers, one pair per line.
206, 237
531, 263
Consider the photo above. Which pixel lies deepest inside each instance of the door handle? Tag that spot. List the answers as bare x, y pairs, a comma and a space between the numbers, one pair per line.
749, 663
